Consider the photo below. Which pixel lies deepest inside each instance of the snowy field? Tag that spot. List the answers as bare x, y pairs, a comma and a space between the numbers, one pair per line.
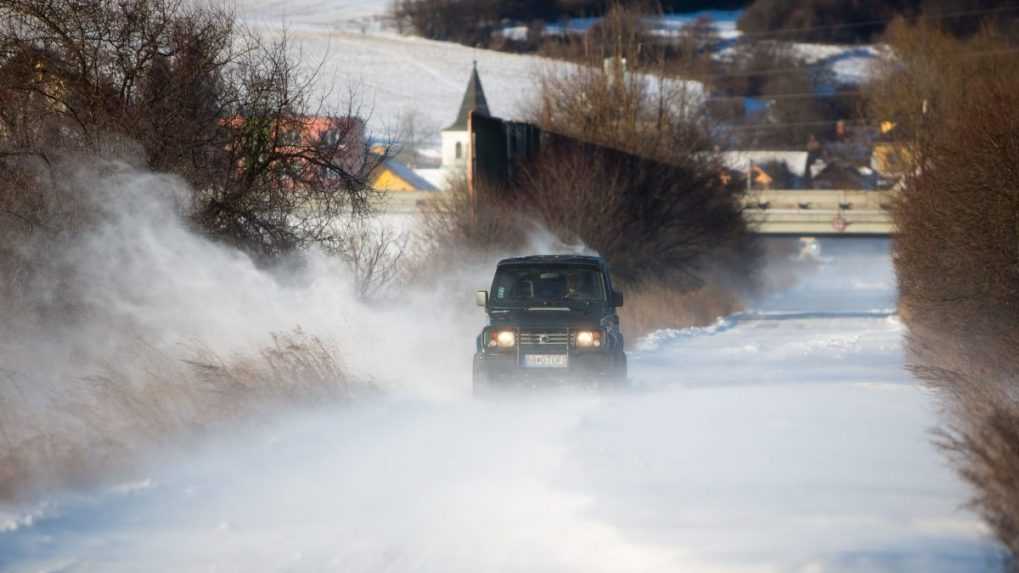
394, 76
788, 438
399, 75
352, 15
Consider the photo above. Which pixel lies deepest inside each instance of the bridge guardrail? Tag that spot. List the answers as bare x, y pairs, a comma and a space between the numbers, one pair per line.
820, 212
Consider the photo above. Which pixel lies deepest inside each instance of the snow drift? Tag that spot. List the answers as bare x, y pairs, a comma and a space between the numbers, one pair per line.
786, 440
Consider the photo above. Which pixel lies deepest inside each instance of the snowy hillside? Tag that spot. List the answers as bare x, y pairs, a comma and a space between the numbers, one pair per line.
395, 75
327, 14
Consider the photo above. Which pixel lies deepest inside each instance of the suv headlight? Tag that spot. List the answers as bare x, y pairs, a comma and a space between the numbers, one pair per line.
502, 339
588, 339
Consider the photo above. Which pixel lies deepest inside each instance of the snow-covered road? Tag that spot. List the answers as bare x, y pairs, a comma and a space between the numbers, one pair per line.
786, 439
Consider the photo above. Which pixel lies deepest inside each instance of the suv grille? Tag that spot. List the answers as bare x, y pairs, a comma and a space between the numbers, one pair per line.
544, 337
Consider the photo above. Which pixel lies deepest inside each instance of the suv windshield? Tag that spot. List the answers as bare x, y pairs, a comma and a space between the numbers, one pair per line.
528, 284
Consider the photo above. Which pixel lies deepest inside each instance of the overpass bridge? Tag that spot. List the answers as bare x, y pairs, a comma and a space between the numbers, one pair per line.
810, 213
820, 212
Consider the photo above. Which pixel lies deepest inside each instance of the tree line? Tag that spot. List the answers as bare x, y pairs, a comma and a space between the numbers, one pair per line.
833, 21
476, 22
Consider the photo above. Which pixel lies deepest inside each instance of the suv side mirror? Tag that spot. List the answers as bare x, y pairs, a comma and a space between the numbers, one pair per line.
481, 298
617, 298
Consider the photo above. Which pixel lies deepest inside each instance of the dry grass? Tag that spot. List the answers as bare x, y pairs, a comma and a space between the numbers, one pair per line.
96, 426
987, 453
458, 236
978, 379
655, 306
455, 222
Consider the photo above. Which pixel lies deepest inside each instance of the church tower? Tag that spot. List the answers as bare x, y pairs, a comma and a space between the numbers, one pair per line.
454, 137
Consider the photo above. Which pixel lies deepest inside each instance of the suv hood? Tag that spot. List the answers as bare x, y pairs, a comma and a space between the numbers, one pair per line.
548, 315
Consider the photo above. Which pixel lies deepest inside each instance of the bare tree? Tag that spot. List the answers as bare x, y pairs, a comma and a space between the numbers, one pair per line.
468, 22
179, 88
375, 253
635, 176
415, 133
293, 165
605, 101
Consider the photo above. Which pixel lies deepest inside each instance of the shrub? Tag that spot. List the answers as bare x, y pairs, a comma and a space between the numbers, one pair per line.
650, 220
977, 377
458, 221
957, 246
656, 305
956, 216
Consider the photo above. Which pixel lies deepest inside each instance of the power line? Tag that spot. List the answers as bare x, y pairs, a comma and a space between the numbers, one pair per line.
809, 95
823, 123
802, 95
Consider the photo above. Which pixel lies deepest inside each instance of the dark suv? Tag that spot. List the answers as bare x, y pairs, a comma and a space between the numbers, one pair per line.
551, 318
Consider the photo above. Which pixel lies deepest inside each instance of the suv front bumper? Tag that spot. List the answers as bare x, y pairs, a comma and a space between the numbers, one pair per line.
510, 367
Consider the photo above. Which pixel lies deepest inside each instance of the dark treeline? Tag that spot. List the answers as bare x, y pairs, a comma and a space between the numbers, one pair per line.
525, 10
841, 21
474, 22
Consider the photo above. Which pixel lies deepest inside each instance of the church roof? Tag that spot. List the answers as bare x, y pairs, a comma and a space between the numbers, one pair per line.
474, 100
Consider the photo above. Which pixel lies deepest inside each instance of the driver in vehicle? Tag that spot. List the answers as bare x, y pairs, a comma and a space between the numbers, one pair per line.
579, 286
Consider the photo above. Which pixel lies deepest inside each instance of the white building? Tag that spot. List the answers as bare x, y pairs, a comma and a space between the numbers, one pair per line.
454, 138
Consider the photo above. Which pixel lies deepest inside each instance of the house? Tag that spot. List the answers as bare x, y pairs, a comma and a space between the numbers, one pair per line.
341, 139
844, 163
395, 176
768, 169
890, 159
841, 174
307, 130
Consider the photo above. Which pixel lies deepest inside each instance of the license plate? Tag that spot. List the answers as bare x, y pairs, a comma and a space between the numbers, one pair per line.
546, 360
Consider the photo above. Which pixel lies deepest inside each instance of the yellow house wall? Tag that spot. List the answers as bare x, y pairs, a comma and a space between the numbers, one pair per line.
386, 180
891, 158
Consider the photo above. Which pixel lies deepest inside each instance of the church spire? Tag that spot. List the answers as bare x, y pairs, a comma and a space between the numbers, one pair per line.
474, 100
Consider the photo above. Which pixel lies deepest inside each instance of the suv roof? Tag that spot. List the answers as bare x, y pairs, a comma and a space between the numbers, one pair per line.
546, 259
